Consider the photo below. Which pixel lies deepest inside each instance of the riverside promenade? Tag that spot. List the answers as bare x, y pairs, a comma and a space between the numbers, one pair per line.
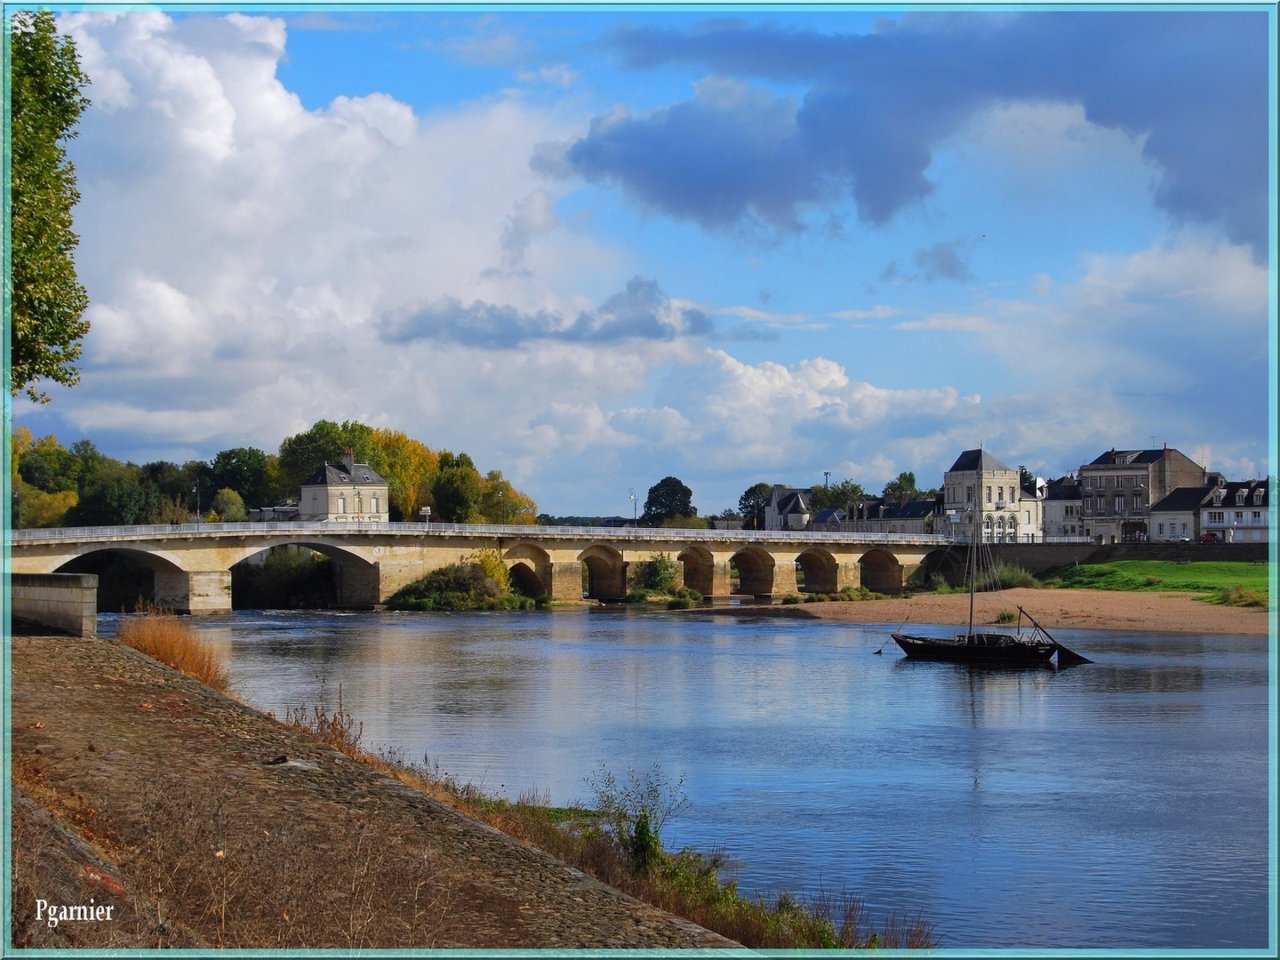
203, 823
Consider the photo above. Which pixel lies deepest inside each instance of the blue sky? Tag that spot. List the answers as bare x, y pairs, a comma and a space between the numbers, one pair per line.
594, 247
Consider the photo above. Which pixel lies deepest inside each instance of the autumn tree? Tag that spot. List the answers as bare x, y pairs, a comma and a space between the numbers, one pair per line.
323, 442
503, 503
47, 301
408, 466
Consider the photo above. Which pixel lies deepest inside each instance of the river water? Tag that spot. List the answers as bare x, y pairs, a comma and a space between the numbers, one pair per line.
1122, 804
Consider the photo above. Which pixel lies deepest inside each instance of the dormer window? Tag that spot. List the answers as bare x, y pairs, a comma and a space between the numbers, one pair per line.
1257, 497
1240, 497
1217, 497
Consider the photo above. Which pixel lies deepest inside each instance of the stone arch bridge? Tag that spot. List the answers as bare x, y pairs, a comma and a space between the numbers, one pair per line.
192, 563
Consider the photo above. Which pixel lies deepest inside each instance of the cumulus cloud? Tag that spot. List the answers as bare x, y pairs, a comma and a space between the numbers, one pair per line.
1192, 83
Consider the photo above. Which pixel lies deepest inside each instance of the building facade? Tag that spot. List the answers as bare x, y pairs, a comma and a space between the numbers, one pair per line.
978, 482
346, 492
1118, 488
1237, 512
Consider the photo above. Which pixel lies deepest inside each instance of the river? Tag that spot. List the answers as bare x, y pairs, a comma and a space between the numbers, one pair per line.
1117, 805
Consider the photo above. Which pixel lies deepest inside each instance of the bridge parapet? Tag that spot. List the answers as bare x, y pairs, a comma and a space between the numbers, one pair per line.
154, 531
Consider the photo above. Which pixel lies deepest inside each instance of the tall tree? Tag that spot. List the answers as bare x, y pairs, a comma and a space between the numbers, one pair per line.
667, 498
408, 466
752, 504
48, 300
245, 470
324, 441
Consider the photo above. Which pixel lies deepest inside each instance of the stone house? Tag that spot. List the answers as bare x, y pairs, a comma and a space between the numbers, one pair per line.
346, 492
1118, 488
1007, 512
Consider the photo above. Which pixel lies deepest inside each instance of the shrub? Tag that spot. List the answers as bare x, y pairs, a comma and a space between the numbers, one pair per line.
1006, 616
793, 598
165, 637
659, 573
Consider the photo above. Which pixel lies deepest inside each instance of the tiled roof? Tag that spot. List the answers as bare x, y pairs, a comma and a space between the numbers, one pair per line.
1182, 499
332, 474
977, 460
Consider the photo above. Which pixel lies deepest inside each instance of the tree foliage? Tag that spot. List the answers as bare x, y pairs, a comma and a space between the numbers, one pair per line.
838, 495
752, 505
48, 301
668, 498
901, 488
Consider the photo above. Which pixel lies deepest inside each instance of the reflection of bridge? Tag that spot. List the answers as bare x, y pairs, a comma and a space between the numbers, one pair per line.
192, 563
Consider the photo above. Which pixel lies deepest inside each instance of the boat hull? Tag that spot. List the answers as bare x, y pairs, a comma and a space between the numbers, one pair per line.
983, 648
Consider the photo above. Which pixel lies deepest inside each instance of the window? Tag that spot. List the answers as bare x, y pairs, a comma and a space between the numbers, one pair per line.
1159, 529
1257, 517
1239, 516
342, 504
988, 494
1137, 502
1120, 504
1217, 516
373, 504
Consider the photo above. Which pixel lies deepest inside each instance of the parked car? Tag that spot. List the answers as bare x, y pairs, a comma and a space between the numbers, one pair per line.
1209, 538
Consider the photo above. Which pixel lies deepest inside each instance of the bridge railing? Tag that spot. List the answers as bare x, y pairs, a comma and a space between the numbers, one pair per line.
304, 529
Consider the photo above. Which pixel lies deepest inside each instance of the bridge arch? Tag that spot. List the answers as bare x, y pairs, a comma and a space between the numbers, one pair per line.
880, 571
356, 578
821, 570
606, 572
145, 577
529, 567
699, 569
755, 571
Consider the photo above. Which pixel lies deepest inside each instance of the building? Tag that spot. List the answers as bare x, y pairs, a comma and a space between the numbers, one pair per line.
978, 481
346, 492
788, 508
1118, 488
1060, 510
1236, 512
1176, 517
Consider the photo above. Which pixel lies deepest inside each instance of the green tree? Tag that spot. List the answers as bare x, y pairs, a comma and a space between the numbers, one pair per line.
324, 441
457, 490
48, 301
901, 488
839, 495
667, 498
752, 504
246, 470
229, 506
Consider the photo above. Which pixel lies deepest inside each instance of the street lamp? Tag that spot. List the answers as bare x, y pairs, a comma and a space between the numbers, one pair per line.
631, 495
196, 490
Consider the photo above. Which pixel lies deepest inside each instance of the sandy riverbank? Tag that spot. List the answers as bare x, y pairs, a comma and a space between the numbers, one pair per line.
1076, 609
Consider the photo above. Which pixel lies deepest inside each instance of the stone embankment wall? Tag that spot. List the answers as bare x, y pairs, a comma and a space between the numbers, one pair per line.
66, 602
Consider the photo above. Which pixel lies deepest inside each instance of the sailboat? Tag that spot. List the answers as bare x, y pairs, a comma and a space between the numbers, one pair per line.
986, 648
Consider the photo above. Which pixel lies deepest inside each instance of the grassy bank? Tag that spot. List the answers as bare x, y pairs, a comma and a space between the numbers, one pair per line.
1230, 582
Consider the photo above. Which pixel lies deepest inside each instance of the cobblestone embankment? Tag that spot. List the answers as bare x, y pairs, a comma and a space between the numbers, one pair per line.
202, 822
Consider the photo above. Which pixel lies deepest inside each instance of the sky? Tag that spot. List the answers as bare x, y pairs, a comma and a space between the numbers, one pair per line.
595, 247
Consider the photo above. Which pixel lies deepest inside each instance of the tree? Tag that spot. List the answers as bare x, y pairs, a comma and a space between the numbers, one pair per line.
500, 502
229, 506
247, 471
752, 504
48, 300
408, 466
902, 488
457, 489
667, 498
838, 495
324, 442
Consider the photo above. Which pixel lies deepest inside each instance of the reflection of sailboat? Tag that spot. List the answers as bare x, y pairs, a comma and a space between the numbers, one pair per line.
988, 648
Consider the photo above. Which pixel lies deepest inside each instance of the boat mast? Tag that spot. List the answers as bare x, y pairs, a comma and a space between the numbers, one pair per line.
973, 543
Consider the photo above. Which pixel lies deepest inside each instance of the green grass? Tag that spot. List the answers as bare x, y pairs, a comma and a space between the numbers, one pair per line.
1220, 578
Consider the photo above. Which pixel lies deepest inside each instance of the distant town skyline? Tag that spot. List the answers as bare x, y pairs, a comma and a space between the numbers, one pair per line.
595, 248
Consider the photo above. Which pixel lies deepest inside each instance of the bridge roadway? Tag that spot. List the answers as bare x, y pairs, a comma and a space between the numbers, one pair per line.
192, 563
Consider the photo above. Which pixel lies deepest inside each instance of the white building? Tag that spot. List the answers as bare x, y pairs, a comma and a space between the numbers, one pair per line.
978, 481
346, 492
1236, 512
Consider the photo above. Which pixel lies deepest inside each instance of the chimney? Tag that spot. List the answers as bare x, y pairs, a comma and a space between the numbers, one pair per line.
348, 458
